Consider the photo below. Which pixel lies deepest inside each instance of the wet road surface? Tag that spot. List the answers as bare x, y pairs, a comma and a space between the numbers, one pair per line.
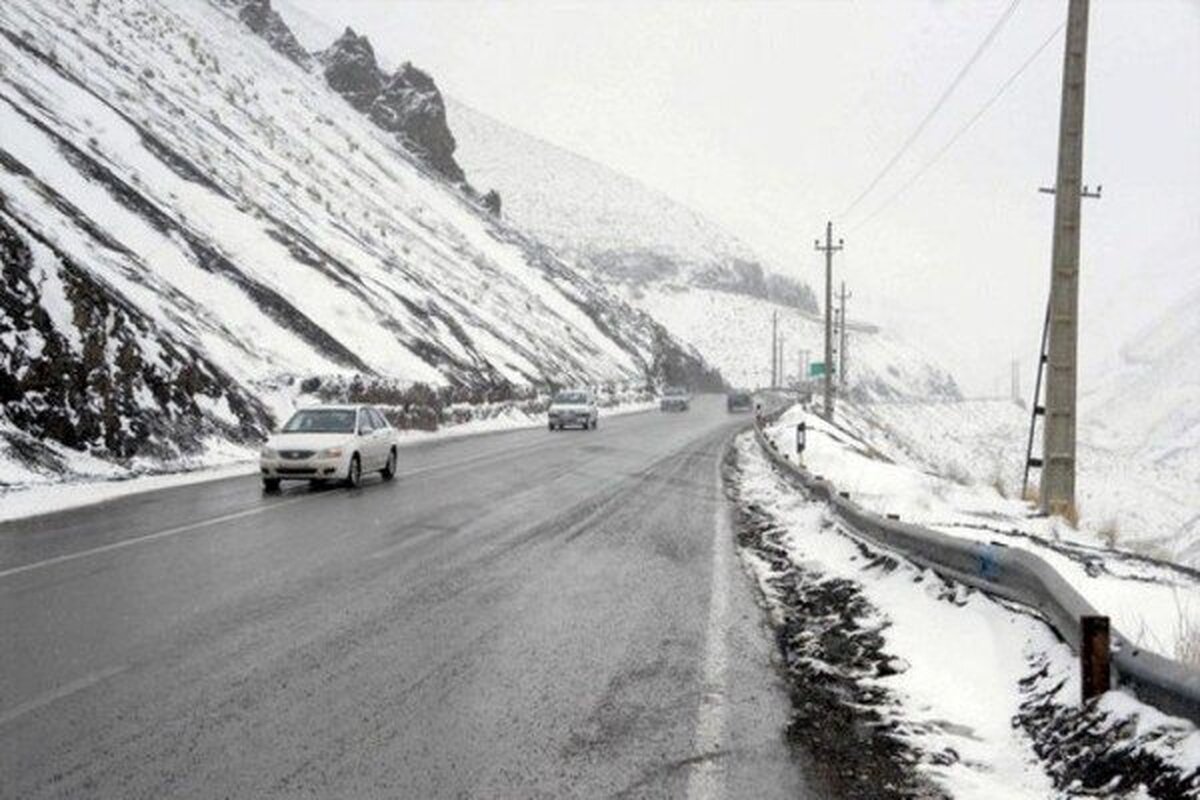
526, 614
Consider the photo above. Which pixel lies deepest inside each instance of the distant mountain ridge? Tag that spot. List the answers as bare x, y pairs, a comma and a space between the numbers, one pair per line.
607, 221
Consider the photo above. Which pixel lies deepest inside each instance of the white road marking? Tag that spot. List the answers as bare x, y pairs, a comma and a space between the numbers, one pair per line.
706, 780
149, 537
65, 690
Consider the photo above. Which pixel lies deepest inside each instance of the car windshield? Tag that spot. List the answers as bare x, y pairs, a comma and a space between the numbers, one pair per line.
571, 398
321, 420
675, 391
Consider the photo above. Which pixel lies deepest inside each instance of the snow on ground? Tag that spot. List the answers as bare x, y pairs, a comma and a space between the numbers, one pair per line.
27, 493
733, 333
923, 463
959, 655
1126, 494
984, 692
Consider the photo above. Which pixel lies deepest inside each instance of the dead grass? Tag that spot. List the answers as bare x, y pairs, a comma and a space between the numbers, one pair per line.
1110, 532
1187, 634
1032, 494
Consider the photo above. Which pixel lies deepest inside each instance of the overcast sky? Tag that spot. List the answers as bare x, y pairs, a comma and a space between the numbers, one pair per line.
771, 117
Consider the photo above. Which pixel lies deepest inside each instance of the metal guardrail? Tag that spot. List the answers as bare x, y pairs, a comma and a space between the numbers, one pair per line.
1014, 574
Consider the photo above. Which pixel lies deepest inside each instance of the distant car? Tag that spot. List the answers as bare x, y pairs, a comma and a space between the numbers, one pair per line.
330, 443
574, 408
675, 398
737, 402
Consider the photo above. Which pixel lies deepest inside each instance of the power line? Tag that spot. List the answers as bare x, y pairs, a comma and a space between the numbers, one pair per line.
961, 131
962, 73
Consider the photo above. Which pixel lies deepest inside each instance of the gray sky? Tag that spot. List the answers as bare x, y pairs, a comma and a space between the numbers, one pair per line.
771, 117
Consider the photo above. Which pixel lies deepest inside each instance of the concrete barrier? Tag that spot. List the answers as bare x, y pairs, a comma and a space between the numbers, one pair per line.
1014, 574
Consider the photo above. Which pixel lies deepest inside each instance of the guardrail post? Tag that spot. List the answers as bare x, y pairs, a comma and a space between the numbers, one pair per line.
1094, 656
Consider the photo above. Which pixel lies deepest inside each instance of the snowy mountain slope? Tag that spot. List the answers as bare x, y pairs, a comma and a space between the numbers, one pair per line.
733, 332
606, 220
189, 218
706, 286
1146, 414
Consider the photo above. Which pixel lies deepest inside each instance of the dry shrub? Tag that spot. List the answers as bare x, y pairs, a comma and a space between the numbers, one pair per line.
1187, 634
1110, 532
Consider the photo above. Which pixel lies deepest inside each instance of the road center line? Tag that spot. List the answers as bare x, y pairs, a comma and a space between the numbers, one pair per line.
706, 780
66, 690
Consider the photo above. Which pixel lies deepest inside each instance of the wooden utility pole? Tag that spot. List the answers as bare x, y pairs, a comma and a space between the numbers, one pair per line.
829, 248
1058, 455
844, 296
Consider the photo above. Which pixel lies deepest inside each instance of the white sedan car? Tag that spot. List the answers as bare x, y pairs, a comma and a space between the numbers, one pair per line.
330, 443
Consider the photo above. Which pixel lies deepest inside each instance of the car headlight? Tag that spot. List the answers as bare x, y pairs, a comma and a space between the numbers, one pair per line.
270, 452
330, 452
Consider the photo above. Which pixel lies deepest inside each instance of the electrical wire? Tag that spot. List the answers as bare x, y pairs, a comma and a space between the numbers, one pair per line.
962, 130
962, 73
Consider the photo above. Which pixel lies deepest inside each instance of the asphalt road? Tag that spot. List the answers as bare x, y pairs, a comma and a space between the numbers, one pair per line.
523, 614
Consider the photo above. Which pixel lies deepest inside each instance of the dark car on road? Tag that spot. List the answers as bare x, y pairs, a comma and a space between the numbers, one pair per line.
738, 401
675, 398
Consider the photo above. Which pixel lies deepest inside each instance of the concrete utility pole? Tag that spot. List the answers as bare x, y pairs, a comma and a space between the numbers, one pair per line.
774, 346
779, 358
842, 345
1058, 469
829, 248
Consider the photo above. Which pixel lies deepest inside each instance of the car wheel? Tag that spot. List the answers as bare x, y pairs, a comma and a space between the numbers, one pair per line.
389, 469
271, 485
595, 423
354, 473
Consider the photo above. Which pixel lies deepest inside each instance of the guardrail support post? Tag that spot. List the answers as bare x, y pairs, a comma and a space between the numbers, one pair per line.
1094, 656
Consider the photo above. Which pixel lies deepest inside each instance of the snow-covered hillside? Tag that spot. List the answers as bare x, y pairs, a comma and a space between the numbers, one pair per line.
191, 219
1146, 414
608, 221
733, 332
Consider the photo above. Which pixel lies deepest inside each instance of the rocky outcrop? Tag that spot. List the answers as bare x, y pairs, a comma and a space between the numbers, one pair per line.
406, 103
351, 71
491, 201
411, 106
266, 22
